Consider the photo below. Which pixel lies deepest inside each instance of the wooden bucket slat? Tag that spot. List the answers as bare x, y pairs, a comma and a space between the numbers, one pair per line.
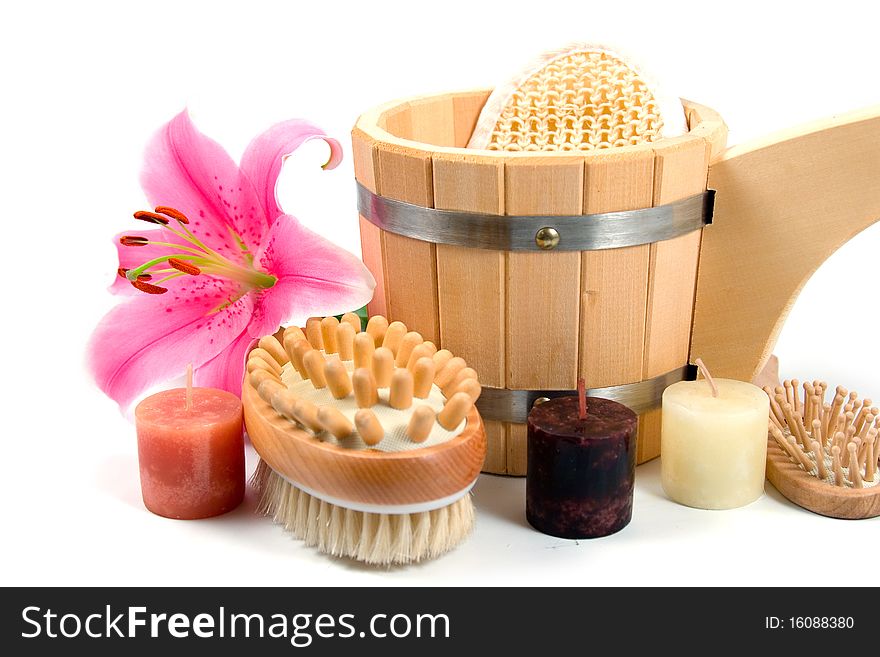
614, 282
680, 169
467, 109
542, 304
365, 155
471, 282
543, 307
410, 265
681, 166
433, 120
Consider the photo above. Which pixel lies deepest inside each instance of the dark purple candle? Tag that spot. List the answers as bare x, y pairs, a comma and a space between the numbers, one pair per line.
581, 472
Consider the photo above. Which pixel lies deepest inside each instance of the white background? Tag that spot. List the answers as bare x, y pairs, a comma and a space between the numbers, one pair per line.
85, 84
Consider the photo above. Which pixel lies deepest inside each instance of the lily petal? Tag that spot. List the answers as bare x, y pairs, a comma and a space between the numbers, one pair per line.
315, 277
192, 173
264, 156
226, 369
151, 338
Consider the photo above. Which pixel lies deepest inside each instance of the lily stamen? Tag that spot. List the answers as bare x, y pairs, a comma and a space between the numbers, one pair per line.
194, 258
149, 288
151, 217
171, 212
133, 240
185, 267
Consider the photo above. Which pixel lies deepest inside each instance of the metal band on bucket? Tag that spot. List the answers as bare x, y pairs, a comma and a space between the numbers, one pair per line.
506, 405
587, 232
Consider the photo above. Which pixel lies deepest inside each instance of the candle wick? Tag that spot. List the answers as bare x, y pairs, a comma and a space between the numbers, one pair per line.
189, 386
582, 399
706, 375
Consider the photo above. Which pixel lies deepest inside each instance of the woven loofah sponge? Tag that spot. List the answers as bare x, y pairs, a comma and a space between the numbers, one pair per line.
580, 98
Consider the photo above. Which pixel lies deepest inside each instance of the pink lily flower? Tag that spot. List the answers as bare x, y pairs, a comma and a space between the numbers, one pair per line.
224, 266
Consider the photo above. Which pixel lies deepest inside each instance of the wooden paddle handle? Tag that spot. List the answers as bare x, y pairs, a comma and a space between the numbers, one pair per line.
783, 206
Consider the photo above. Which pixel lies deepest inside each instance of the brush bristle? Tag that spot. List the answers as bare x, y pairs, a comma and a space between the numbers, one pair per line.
374, 538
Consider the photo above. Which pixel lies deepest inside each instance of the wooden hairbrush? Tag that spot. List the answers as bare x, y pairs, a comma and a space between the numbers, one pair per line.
369, 440
823, 455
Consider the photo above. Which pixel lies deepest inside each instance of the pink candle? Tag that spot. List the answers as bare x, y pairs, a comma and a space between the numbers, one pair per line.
191, 459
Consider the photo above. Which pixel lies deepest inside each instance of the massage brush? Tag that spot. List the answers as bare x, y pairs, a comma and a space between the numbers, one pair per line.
823, 455
369, 440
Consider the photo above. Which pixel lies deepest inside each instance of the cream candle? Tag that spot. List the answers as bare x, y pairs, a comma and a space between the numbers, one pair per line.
713, 444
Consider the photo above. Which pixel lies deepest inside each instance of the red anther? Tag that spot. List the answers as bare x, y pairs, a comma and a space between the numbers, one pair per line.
149, 288
171, 212
133, 240
123, 273
151, 217
184, 266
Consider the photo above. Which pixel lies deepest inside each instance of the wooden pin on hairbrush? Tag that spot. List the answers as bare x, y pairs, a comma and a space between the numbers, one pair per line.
337, 378
450, 370
471, 387
293, 333
266, 357
352, 320
423, 377
269, 387
335, 422
776, 414
313, 332
306, 413
420, 424
313, 362
256, 376
364, 384
409, 342
369, 427
376, 328
270, 344
328, 334
454, 411
401, 394
345, 341
284, 401
255, 362
394, 337
383, 366
300, 349
363, 350
422, 350
440, 359
463, 374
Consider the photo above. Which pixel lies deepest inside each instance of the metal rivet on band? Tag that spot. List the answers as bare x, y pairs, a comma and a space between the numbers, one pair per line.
540, 400
547, 238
